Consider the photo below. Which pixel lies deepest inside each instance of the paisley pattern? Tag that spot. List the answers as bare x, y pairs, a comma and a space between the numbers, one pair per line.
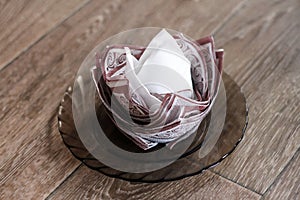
178, 116
233, 131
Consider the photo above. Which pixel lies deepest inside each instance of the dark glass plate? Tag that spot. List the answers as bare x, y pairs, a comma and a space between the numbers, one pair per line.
190, 163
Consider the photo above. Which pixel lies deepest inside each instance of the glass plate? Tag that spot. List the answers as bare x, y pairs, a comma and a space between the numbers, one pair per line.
190, 163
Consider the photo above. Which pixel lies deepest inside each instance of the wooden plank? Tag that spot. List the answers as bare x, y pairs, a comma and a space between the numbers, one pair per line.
22, 23
287, 186
262, 54
31, 152
87, 184
34, 160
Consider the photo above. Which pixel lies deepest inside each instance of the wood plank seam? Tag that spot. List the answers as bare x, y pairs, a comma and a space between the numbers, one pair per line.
106, 185
4, 178
67, 178
256, 62
282, 167
218, 28
29, 25
43, 36
250, 189
282, 171
34, 83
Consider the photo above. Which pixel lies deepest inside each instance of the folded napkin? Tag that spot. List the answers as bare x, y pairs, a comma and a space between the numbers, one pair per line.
162, 68
168, 88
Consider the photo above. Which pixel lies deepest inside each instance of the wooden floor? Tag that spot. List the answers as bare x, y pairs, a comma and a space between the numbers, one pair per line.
42, 44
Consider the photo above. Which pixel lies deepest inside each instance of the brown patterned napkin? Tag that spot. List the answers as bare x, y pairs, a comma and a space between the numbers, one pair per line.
159, 94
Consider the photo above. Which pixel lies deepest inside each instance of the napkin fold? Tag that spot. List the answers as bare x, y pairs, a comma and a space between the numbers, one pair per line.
168, 87
163, 68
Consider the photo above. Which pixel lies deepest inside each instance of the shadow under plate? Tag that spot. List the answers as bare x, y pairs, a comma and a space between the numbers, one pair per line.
187, 165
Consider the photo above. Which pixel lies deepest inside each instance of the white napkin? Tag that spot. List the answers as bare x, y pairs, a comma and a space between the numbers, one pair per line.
162, 69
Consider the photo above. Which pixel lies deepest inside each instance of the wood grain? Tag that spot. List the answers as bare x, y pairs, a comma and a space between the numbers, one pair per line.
287, 186
204, 186
34, 160
262, 47
263, 56
31, 152
22, 23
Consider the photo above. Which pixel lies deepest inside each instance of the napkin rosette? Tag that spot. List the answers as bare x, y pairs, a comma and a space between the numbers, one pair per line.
177, 116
